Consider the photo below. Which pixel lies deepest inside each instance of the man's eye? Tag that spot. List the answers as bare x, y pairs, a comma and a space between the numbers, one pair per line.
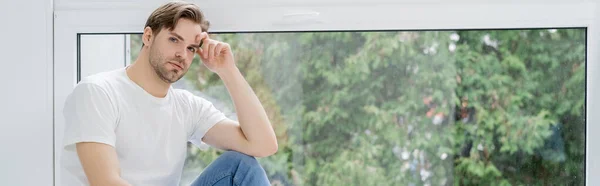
192, 49
172, 39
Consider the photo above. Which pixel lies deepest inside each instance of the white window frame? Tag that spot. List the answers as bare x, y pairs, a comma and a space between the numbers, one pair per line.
90, 16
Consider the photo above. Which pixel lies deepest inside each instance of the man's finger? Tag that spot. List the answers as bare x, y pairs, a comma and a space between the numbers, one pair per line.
200, 39
203, 38
218, 49
200, 53
211, 50
205, 48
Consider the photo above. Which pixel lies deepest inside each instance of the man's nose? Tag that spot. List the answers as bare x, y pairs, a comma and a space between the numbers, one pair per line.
181, 54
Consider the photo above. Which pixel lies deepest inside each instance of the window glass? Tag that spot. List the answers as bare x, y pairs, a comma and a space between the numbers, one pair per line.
462, 107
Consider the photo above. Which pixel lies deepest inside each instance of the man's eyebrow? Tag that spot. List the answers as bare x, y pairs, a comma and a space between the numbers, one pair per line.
177, 35
181, 38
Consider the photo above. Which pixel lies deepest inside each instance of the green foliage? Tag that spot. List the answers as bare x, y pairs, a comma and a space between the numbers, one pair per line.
480, 107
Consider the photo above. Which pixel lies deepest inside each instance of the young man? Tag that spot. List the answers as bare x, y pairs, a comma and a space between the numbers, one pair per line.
130, 127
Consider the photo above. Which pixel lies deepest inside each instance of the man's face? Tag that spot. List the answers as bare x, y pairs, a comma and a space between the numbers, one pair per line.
172, 51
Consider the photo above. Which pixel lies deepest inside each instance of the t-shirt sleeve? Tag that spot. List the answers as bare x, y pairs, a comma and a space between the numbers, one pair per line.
89, 116
204, 117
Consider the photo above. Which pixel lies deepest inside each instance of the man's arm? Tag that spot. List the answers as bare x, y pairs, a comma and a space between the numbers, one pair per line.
100, 164
90, 120
253, 135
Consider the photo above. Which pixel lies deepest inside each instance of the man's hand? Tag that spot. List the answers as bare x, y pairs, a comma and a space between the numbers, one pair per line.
215, 55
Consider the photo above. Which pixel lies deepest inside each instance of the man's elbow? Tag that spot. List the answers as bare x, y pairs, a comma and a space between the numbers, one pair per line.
268, 150
274, 148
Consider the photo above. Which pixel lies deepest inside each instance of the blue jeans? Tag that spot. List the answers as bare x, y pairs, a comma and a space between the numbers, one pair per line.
233, 168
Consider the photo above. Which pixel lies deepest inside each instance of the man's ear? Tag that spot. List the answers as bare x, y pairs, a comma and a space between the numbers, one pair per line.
148, 36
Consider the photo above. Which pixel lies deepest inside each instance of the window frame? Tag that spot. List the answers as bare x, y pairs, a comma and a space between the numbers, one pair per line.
72, 19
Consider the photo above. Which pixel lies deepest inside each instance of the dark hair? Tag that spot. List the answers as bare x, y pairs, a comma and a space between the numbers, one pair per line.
167, 15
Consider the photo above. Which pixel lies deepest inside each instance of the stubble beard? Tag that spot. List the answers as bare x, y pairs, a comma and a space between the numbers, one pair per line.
157, 61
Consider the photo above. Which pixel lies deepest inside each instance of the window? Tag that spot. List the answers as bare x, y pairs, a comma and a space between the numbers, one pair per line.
454, 92
467, 107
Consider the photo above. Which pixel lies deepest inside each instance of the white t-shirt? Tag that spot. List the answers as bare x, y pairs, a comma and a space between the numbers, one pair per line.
150, 134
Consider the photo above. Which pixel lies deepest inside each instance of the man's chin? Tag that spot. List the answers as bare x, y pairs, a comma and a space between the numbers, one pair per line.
171, 80
170, 76
175, 78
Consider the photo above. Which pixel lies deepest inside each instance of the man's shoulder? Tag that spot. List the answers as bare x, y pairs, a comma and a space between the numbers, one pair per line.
106, 83
104, 79
100, 89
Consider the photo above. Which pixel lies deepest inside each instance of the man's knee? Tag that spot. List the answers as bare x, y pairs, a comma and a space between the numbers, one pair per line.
248, 171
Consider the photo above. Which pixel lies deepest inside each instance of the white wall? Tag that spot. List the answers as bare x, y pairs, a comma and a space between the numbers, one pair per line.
26, 94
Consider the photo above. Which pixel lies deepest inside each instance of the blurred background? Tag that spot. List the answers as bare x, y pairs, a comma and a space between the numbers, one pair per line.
464, 107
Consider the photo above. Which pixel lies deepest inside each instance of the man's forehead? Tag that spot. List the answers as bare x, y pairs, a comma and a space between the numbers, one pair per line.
186, 32
187, 25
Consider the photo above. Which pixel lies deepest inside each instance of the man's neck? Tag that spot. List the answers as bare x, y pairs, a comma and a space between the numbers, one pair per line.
144, 75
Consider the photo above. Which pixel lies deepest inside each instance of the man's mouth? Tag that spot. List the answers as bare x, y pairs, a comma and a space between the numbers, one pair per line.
176, 65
